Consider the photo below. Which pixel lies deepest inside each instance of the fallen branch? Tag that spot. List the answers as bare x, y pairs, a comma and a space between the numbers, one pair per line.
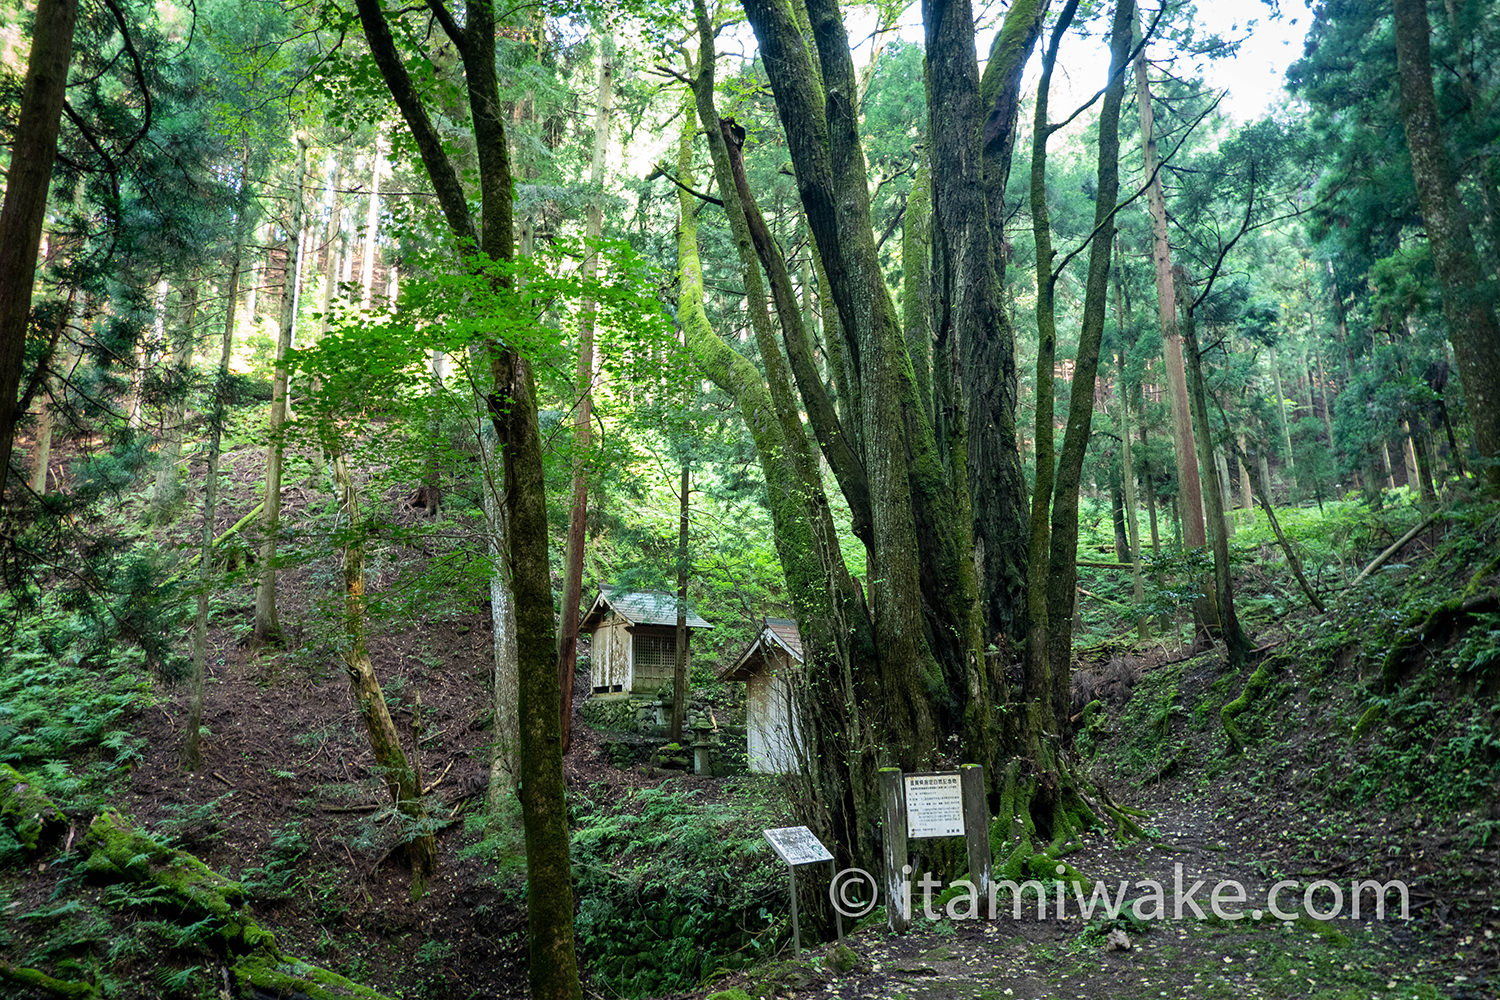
236, 526
1097, 597
1380, 560
438, 780
369, 807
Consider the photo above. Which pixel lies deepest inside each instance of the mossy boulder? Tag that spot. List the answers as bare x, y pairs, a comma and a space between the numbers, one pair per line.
118, 853
28, 813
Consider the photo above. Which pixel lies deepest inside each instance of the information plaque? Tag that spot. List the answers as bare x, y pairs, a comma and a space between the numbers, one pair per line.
796, 845
934, 806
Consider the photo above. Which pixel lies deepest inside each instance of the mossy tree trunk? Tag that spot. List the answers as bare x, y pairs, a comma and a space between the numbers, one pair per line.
553, 967
839, 758
1053, 573
929, 678
391, 762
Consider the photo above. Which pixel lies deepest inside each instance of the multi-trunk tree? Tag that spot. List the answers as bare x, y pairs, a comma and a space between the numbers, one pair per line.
918, 663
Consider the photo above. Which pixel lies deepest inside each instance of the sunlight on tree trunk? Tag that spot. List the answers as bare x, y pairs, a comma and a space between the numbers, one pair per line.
267, 628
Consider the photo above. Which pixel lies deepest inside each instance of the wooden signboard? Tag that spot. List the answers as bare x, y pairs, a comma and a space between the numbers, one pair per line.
796, 845
916, 806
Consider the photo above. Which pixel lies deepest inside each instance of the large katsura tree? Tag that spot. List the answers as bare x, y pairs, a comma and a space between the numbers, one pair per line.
909, 673
512, 401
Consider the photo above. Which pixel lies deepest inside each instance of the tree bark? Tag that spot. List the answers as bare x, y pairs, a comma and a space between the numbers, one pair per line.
822, 137
680, 658
1132, 527
391, 762
26, 187
267, 628
1037, 684
583, 414
1226, 488
1190, 499
966, 121
1063, 571
837, 770
505, 760
372, 226
1236, 645
553, 967
1469, 300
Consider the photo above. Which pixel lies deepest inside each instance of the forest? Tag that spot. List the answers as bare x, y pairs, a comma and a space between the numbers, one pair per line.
749, 500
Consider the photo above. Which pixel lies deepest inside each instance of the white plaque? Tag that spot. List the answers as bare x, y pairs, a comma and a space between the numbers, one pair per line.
934, 806
796, 845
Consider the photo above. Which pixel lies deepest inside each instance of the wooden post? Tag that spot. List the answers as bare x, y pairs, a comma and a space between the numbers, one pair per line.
796, 931
838, 914
893, 801
976, 826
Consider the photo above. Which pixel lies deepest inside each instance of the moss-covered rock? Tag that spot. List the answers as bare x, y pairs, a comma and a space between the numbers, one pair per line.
27, 812
262, 975
121, 854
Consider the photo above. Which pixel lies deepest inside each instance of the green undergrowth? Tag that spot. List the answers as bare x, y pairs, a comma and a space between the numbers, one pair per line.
65, 718
1317, 742
673, 889
129, 915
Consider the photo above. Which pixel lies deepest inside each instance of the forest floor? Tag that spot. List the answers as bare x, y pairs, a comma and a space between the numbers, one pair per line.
1440, 952
288, 803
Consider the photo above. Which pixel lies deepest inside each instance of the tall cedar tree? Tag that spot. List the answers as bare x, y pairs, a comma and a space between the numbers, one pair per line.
1469, 300
26, 187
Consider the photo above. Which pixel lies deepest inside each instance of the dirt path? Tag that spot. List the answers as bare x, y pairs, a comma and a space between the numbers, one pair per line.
1074, 957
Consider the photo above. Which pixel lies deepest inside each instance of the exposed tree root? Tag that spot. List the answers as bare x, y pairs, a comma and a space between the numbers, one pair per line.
38, 981
1259, 680
1418, 630
1042, 816
1485, 572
